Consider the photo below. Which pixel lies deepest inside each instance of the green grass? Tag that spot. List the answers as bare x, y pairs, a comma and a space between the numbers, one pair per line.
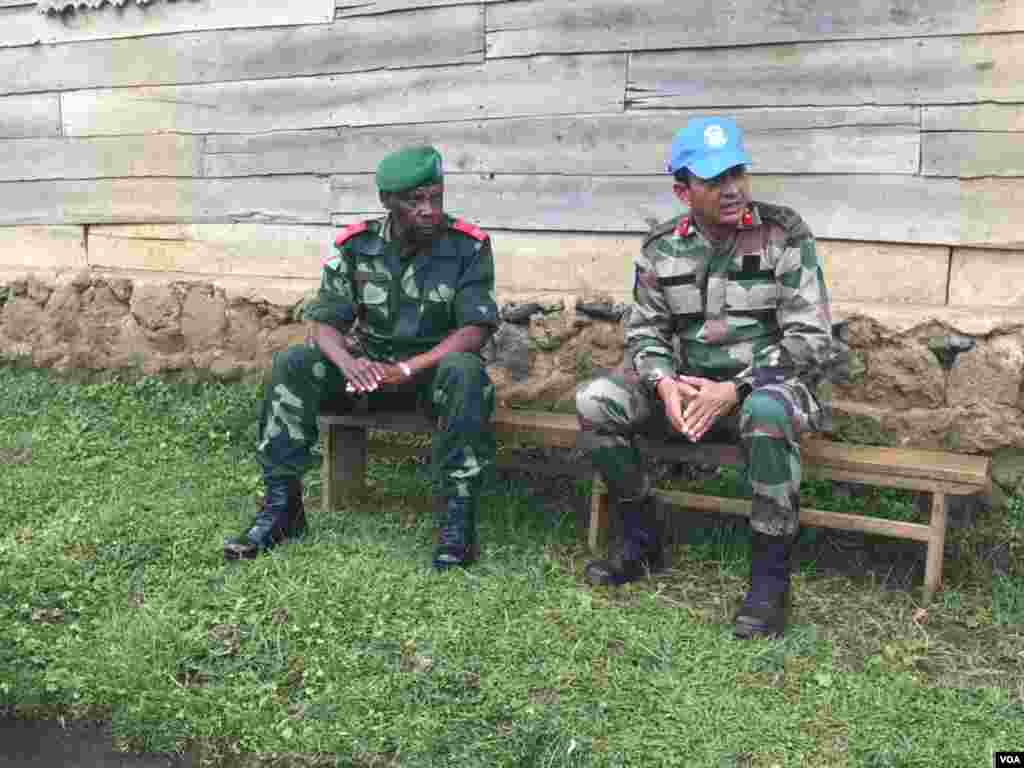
347, 649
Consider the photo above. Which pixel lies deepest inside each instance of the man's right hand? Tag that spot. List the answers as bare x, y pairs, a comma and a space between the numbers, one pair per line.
361, 374
675, 395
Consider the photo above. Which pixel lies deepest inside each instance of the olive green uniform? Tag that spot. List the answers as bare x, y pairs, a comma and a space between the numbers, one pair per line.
394, 303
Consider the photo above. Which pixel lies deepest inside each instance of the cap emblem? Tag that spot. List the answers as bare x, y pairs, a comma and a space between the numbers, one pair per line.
714, 137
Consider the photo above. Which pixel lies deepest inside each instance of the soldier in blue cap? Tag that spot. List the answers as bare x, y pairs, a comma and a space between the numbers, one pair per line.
738, 283
405, 306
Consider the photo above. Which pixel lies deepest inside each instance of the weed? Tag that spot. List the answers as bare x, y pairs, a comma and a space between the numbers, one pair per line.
346, 648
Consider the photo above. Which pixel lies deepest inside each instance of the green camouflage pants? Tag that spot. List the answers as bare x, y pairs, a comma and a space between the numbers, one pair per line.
458, 393
613, 409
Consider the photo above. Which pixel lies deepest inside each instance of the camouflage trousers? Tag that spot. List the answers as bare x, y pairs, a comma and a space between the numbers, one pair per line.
458, 393
614, 409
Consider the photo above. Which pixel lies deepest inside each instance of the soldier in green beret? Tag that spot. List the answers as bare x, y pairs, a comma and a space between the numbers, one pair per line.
405, 305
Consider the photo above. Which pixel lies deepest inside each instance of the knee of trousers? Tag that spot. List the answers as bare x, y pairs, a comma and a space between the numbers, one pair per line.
462, 377
600, 405
764, 414
298, 361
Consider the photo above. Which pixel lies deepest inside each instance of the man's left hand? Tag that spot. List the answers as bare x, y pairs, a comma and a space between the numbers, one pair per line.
713, 399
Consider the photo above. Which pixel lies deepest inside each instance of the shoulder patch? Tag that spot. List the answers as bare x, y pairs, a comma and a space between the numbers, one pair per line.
786, 219
659, 230
470, 229
349, 232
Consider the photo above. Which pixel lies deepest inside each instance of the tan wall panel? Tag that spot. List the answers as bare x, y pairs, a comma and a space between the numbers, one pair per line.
885, 271
918, 71
529, 261
26, 25
424, 38
214, 249
539, 26
29, 116
781, 141
105, 157
973, 117
550, 85
971, 155
280, 199
987, 278
42, 247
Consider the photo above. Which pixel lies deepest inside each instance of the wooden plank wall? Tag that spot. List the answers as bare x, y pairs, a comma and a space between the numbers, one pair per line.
226, 137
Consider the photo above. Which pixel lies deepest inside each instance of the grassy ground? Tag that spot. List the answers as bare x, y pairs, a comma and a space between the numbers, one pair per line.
346, 649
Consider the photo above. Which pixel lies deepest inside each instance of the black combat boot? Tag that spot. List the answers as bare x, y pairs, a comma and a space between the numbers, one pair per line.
765, 608
641, 551
456, 538
282, 516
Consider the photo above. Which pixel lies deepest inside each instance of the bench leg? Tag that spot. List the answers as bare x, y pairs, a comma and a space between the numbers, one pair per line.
344, 467
598, 534
936, 546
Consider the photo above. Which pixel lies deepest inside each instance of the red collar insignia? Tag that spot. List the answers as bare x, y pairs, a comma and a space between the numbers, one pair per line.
683, 229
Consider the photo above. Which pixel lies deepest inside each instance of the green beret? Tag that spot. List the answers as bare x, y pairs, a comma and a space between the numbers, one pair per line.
408, 168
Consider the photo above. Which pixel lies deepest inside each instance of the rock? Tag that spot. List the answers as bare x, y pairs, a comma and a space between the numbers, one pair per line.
991, 373
156, 308
121, 288
38, 291
602, 310
204, 319
511, 351
81, 279
520, 314
20, 319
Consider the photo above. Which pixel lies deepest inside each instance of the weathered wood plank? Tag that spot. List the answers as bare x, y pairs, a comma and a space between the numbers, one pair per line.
42, 247
254, 250
29, 116
921, 71
845, 207
549, 85
973, 117
349, 8
26, 26
974, 154
280, 199
865, 140
536, 26
105, 157
426, 38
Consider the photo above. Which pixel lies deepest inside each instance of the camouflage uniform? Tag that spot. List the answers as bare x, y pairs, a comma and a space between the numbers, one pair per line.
396, 304
753, 310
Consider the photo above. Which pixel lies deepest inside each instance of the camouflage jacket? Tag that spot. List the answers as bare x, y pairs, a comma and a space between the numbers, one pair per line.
401, 304
754, 310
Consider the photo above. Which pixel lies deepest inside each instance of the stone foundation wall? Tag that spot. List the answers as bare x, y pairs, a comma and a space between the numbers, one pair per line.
900, 395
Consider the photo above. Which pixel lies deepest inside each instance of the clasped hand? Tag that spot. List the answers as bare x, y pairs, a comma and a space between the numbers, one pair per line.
694, 404
365, 375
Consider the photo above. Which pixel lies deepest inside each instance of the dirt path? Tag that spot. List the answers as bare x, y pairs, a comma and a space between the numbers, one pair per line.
31, 744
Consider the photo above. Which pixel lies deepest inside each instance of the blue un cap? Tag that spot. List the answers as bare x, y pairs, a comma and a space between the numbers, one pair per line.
707, 146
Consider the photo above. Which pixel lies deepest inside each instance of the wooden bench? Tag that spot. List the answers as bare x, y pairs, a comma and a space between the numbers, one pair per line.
937, 472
